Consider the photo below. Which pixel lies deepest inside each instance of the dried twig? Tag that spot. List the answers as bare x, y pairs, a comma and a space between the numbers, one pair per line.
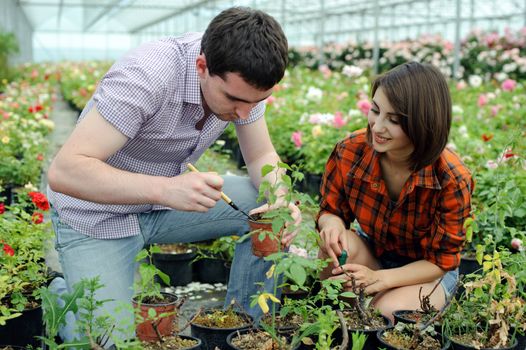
345, 332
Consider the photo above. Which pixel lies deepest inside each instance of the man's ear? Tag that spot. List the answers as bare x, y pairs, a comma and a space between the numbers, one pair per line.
200, 64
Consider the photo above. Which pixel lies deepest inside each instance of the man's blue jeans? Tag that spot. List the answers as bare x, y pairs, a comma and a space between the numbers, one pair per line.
114, 260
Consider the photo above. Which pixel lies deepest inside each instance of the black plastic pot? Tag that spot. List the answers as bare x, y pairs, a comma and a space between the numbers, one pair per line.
372, 342
234, 334
23, 329
383, 345
458, 346
312, 184
468, 264
211, 270
215, 337
14, 347
177, 266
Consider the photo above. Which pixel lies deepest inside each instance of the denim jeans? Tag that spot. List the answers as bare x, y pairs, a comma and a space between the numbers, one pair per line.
113, 259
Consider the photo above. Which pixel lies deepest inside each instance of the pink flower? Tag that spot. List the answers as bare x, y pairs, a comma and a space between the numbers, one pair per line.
298, 251
364, 106
461, 85
516, 243
338, 121
482, 101
296, 138
509, 85
495, 110
325, 70
270, 100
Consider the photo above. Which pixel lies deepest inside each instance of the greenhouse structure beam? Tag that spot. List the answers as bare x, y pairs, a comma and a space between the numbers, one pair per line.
168, 16
102, 13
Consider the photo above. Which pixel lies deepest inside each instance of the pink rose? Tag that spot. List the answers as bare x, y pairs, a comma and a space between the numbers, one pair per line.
338, 121
296, 138
364, 106
482, 101
509, 85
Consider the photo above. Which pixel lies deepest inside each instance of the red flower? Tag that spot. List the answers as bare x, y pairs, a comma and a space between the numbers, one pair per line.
9, 250
486, 137
37, 218
2, 208
509, 154
35, 108
40, 200
40, 157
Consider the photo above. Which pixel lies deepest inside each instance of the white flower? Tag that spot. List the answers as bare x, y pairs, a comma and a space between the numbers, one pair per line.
314, 94
457, 110
463, 131
501, 76
29, 186
475, 80
491, 164
352, 71
298, 251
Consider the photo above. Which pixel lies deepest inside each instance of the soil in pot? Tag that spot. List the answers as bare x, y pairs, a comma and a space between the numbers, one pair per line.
267, 245
175, 261
392, 339
253, 339
463, 341
213, 326
285, 325
24, 329
176, 342
374, 323
411, 316
145, 330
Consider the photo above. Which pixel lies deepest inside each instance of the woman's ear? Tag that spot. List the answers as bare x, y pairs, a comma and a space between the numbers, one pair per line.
200, 64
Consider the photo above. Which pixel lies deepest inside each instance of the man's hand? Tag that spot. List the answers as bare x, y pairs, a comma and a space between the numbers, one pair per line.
364, 277
295, 213
192, 191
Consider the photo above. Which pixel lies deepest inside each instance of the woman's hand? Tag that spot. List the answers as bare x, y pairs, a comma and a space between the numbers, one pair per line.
333, 237
373, 281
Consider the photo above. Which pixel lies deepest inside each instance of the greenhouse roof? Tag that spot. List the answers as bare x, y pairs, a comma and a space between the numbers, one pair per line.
132, 16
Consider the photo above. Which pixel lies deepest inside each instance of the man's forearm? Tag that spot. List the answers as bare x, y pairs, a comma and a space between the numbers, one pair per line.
254, 169
93, 180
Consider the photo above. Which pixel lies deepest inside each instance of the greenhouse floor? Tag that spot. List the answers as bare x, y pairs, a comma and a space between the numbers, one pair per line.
197, 294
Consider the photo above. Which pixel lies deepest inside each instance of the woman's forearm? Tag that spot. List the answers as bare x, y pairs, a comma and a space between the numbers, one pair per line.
417, 272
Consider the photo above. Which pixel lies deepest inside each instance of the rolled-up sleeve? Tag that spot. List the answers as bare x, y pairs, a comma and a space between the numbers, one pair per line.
443, 246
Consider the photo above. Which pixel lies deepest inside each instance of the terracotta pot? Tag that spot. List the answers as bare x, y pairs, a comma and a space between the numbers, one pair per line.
268, 245
165, 325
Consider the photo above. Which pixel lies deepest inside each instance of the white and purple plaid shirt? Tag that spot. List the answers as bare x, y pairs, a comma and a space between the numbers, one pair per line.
152, 96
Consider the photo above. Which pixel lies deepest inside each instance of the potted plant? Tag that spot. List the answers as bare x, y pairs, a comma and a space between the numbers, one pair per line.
213, 326
22, 236
484, 315
213, 260
155, 311
175, 261
266, 229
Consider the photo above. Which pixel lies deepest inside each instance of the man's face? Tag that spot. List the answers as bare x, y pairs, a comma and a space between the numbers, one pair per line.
230, 98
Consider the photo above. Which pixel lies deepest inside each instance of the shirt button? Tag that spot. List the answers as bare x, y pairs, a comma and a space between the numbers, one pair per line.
374, 185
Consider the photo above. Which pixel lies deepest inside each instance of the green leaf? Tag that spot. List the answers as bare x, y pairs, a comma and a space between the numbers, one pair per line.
152, 313
143, 254
298, 274
164, 277
348, 295
266, 169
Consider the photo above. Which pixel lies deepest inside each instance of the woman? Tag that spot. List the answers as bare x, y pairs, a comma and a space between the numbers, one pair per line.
408, 193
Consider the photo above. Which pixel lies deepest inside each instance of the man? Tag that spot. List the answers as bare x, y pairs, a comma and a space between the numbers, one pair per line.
118, 182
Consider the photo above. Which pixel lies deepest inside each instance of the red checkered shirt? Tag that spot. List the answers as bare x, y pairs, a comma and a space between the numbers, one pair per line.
427, 220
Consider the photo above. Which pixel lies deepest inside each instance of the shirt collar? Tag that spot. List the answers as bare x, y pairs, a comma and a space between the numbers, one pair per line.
368, 169
193, 87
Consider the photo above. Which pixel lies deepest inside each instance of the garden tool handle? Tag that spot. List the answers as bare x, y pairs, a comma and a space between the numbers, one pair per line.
223, 196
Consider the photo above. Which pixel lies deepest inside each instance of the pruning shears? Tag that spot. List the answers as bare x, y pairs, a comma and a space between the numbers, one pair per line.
342, 258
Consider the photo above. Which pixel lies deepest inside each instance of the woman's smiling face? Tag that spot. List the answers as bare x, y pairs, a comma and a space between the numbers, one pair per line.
386, 132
